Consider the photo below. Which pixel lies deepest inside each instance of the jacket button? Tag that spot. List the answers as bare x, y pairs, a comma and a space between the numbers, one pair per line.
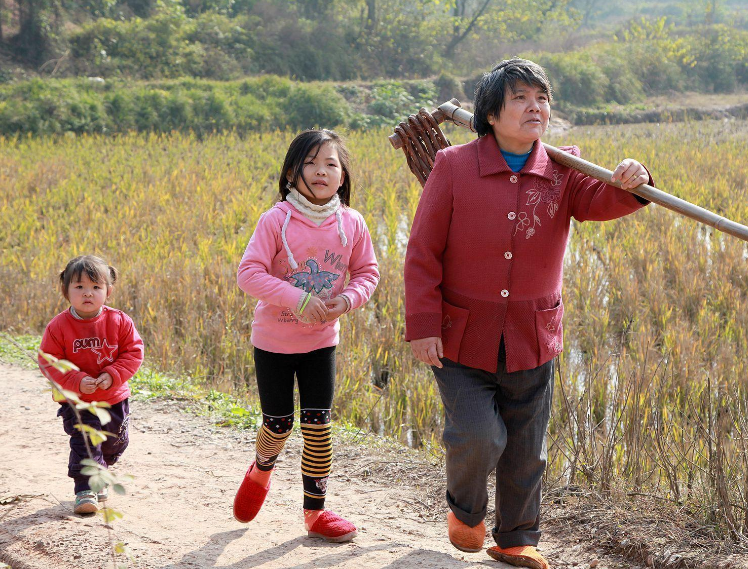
511, 215
508, 255
513, 179
504, 293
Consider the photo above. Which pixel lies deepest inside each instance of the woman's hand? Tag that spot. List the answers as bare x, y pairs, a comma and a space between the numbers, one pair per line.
88, 385
630, 173
336, 307
428, 350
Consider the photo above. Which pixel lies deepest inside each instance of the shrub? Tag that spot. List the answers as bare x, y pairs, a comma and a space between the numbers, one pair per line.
313, 105
393, 101
448, 87
719, 57
576, 78
656, 66
624, 85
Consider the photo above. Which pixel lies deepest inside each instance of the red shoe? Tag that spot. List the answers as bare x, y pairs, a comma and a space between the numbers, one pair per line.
521, 556
249, 498
332, 527
464, 537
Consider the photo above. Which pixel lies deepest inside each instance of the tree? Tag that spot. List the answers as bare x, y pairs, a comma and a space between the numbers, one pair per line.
587, 9
463, 23
512, 21
35, 20
706, 11
371, 15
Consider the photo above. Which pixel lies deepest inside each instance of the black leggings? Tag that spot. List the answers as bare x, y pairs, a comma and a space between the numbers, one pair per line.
314, 371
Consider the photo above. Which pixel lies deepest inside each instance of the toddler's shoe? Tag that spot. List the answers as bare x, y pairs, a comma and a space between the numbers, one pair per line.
86, 502
332, 527
520, 556
464, 537
249, 498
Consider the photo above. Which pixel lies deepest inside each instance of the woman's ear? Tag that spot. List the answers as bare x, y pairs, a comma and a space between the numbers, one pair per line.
342, 179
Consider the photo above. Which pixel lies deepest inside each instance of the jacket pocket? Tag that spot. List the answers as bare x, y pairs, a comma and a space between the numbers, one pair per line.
454, 320
550, 331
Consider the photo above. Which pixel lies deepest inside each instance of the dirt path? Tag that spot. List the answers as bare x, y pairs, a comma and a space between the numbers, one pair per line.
177, 513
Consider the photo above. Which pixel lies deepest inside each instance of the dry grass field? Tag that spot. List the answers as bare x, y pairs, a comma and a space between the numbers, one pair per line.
652, 386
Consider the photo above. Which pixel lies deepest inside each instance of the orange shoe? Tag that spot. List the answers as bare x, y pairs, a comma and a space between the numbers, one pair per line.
463, 537
521, 556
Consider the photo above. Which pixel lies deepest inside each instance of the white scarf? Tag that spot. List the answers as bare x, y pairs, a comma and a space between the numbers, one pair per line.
315, 213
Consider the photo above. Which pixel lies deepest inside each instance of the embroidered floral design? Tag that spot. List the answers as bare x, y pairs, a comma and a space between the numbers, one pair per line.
542, 193
522, 221
551, 326
554, 346
447, 322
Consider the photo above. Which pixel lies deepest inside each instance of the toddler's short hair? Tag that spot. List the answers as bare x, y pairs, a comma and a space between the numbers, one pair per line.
94, 267
491, 90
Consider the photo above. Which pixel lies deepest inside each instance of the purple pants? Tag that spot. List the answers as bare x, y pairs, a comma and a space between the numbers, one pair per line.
106, 453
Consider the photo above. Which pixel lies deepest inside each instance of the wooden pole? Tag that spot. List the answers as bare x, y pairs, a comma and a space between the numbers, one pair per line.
452, 112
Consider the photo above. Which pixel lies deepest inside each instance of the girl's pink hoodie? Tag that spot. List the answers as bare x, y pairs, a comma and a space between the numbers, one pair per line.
288, 256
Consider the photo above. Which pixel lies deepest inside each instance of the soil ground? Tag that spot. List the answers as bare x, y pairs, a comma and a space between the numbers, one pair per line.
177, 511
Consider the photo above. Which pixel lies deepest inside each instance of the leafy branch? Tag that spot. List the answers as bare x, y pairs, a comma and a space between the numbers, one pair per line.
99, 476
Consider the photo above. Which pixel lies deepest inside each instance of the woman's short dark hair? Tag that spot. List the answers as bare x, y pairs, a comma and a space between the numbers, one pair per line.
310, 142
491, 90
94, 267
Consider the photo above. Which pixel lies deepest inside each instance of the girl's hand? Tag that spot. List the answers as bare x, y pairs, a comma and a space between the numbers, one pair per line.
315, 311
428, 350
88, 385
104, 381
336, 307
630, 173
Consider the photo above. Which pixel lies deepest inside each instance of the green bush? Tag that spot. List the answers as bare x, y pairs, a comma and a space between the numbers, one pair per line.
448, 87
624, 85
83, 106
576, 78
656, 66
719, 59
311, 105
392, 101
167, 45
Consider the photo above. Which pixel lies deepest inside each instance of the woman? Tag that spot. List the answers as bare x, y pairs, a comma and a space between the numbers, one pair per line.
483, 277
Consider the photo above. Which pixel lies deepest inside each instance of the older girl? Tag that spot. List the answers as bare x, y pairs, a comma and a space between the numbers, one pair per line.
296, 265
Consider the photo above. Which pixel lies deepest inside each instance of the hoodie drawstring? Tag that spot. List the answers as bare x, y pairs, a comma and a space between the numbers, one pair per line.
291, 260
339, 217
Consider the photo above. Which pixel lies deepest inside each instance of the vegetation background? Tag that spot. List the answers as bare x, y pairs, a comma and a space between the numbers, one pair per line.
204, 96
160, 65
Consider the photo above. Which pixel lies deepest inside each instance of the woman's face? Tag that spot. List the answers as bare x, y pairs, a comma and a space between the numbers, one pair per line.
322, 175
523, 119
